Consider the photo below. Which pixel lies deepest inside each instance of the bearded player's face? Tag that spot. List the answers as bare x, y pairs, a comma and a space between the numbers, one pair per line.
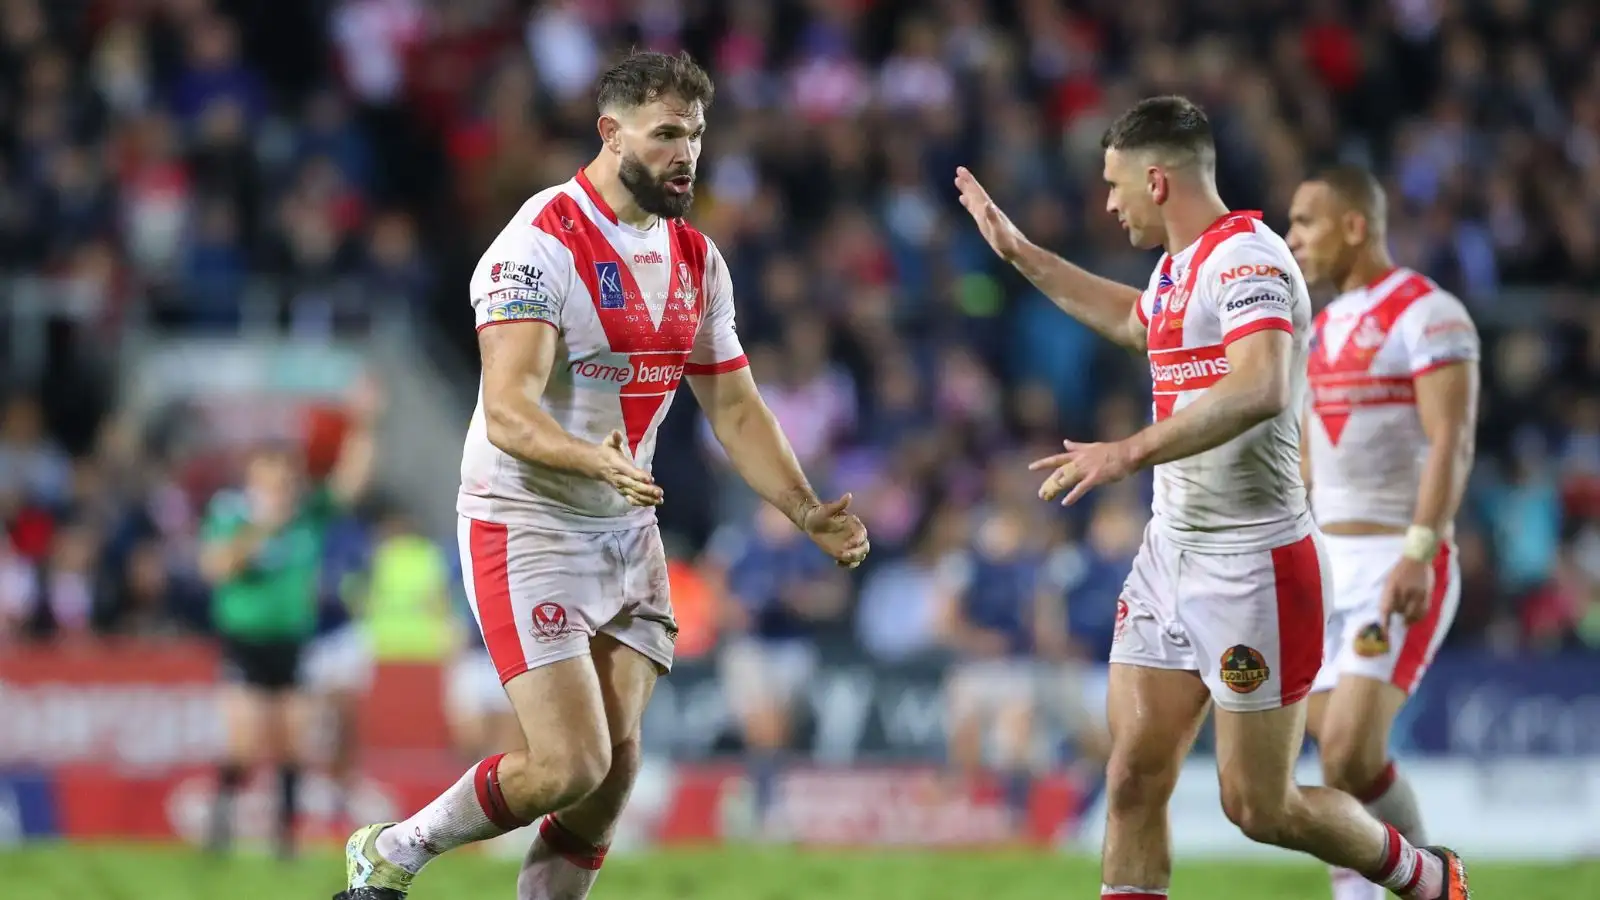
1131, 189
660, 146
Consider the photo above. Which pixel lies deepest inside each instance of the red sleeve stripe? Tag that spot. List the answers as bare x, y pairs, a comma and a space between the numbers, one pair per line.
514, 322
1249, 328
721, 368
1440, 364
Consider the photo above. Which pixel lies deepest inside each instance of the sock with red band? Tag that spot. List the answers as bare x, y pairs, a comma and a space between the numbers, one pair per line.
1390, 799
559, 866
1409, 872
472, 809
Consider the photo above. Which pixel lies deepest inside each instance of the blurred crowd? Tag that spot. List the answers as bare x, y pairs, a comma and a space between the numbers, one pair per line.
197, 164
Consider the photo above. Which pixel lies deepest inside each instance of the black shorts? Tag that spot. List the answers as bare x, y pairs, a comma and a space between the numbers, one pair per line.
264, 665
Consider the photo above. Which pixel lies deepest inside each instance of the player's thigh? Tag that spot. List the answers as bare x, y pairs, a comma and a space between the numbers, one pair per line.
1154, 715
627, 681
1257, 622
539, 596
561, 712
1256, 754
1353, 730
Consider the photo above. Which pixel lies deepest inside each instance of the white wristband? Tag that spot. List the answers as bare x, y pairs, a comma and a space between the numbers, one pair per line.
1422, 544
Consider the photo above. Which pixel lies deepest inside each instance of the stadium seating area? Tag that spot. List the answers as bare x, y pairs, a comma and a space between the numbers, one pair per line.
177, 161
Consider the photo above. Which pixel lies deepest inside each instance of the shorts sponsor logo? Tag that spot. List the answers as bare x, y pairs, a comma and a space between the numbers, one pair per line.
550, 622
1244, 669
1371, 641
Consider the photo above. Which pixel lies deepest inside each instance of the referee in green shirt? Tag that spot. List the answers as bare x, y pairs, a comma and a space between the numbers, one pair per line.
261, 551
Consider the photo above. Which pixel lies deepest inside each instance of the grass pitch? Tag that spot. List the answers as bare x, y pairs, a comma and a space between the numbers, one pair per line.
160, 872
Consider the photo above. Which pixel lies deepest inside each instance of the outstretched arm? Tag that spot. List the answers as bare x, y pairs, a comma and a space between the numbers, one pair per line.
1108, 307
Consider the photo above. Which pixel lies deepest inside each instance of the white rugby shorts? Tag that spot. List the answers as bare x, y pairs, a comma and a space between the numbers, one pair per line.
1251, 624
540, 595
1359, 642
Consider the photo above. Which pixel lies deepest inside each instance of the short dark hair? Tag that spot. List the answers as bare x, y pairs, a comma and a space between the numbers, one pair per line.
1172, 125
645, 76
1359, 190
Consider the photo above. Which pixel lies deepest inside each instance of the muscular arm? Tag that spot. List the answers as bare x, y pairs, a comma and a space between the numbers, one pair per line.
1106, 306
517, 357
756, 446
1447, 403
1256, 388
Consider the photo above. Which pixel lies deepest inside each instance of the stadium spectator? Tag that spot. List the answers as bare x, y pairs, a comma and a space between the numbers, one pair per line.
781, 596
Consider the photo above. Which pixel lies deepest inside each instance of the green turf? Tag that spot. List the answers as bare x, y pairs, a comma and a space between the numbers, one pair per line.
132, 872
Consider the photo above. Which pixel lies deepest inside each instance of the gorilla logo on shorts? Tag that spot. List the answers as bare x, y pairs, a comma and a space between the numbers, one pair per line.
1244, 669
1372, 641
550, 622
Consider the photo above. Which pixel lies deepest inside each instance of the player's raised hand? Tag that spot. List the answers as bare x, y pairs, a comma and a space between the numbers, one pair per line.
615, 467
837, 531
1407, 590
995, 226
1081, 468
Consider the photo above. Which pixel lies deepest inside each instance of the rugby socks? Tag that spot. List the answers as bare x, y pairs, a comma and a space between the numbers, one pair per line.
559, 865
288, 807
1390, 799
1411, 873
763, 768
1107, 892
472, 809
230, 778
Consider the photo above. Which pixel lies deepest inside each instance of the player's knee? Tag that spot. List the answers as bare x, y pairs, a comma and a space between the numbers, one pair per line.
1137, 782
1261, 817
1348, 764
571, 771
627, 758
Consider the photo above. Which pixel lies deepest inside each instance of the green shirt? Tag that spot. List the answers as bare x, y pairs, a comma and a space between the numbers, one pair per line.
275, 596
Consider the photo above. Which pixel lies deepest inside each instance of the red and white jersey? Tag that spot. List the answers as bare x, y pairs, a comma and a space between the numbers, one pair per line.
1365, 438
1237, 279
634, 311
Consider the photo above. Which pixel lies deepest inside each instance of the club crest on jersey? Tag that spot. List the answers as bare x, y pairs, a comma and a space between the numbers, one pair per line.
686, 290
1369, 335
609, 274
1178, 301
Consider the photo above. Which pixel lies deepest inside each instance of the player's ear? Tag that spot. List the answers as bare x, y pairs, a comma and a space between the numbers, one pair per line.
610, 132
1156, 183
1354, 226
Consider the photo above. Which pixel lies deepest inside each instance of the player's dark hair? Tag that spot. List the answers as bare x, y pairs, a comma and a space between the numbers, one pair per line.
645, 76
1359, 190
1172, 126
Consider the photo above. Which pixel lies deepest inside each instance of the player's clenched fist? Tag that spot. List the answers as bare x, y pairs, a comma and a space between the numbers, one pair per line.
995, 226
614, 465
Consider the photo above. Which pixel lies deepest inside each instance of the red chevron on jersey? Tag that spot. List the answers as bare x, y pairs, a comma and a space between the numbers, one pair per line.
661, 348
1341, 384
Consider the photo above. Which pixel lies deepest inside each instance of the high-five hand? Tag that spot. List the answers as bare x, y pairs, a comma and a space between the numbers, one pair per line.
838, 532
1082, 467
995, 226
614, 465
